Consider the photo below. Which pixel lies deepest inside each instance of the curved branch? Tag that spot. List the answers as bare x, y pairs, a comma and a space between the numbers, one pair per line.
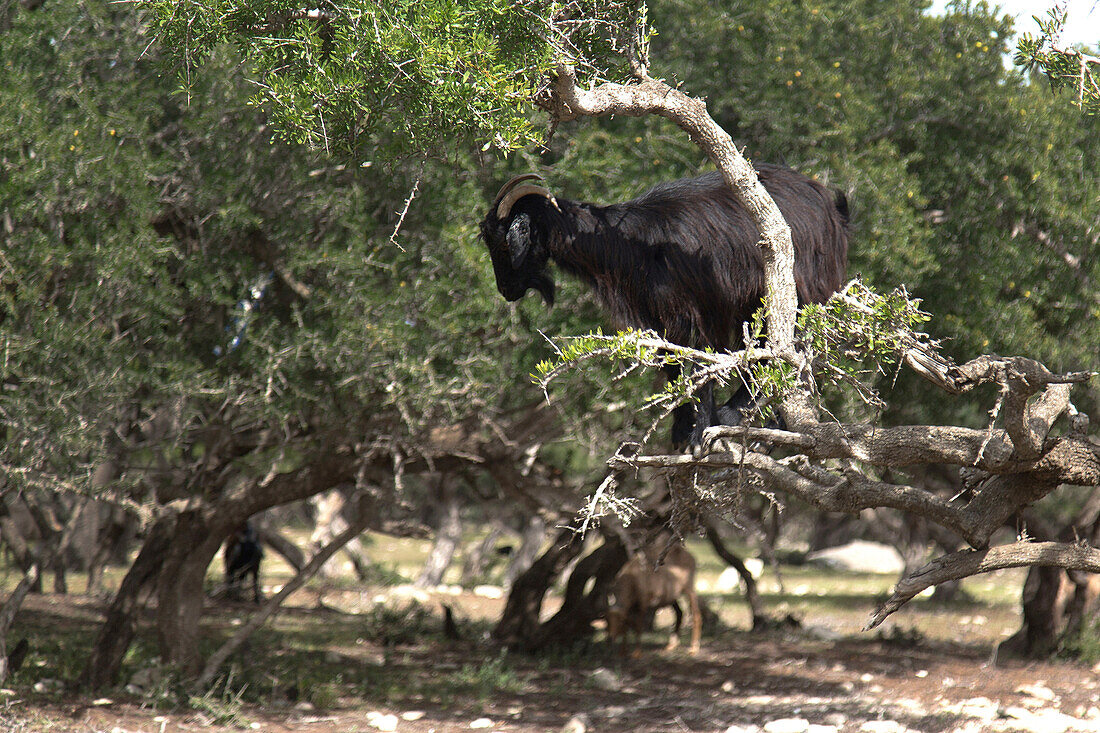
1069, 460
972, 562
568, 100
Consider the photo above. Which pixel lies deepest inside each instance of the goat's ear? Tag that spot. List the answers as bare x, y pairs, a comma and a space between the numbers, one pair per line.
519, 239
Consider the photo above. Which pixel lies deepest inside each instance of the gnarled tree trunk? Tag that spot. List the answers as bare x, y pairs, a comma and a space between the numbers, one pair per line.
180, 590
448, 535
573, 621
1056, 603
117, 631
328, 523
520, 620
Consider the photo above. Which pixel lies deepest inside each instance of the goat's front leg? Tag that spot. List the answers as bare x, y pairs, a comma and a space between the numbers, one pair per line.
705, 414
683, 417
690, 419
683, 425
696, 620
674, 640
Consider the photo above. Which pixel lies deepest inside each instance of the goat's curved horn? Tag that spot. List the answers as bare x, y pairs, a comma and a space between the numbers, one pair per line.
517, 188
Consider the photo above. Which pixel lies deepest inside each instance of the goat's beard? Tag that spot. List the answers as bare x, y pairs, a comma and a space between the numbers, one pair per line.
544, 283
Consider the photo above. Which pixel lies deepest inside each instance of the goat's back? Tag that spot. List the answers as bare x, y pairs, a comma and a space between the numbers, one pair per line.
243, 551
643, 587
700, 247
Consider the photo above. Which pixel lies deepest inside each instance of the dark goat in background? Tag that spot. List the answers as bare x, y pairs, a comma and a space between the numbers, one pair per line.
681, 260
243, 554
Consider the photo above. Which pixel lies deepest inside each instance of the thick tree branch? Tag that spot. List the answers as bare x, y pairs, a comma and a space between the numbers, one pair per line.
1067, 459
849, 492
972, 562
8, 610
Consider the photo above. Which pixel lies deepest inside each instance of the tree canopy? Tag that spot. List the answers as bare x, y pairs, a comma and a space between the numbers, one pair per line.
197, 307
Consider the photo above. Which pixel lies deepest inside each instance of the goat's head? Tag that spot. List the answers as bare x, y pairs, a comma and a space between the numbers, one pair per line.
516, 231
617, 621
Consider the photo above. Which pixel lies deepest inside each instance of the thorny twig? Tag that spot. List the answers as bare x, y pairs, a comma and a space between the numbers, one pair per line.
404, 211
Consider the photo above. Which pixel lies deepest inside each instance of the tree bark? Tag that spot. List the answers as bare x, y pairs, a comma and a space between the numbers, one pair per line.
7, 615
329, 523
520, 619
751, 596
180, 589
15, 540
972, 562
448, 535
1044, 601
479, 556
270, 537
116, 633
532, 538
1056, 603
113, 531
573, 621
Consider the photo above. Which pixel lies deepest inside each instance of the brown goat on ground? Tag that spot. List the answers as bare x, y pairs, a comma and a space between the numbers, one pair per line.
641, 588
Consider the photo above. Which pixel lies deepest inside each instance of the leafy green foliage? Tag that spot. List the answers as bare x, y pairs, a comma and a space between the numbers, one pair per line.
155, 248
139, 222
1066, 68
861, 327
369, 79
968, 184
858, 335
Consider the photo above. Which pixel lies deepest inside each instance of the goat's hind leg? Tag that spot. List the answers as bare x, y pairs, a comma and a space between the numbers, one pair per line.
706, 414
683, 417
257, 597
690, 419
696, 621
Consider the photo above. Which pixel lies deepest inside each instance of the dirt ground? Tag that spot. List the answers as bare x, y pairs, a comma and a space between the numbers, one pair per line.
924, 674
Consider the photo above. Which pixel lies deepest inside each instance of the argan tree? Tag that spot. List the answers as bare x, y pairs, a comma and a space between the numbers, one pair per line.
329, 80
327, 387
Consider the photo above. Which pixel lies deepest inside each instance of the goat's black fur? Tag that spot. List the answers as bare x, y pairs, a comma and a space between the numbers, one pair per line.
243, 554
681, 260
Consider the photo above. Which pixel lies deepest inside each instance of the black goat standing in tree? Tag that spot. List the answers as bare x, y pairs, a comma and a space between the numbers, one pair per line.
681, 260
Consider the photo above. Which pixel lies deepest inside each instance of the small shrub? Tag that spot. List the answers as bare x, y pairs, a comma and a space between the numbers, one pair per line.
323, 695
391, 625
222, 709
1084, 646
482, 681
